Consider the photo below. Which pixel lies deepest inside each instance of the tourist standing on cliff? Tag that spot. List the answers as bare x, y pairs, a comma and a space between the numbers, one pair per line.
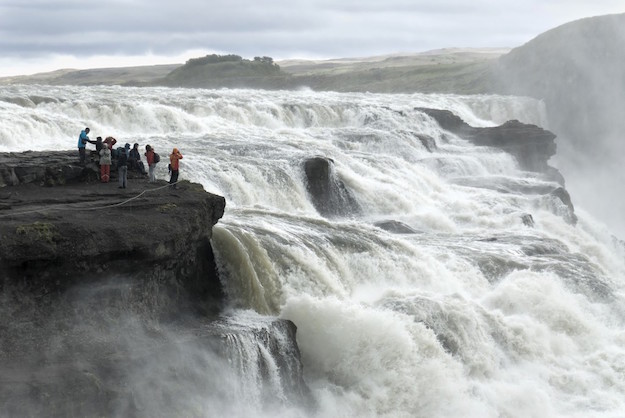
151, 159
135, 160
110, 141
82, 144
105, 164
174, 165
122, 167
99, 144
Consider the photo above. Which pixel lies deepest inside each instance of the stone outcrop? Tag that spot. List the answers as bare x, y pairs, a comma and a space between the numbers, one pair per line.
52, 168
561, 195
577, 70
531, 145
327, 191
396, 227
101, 286
54, 237
428, 142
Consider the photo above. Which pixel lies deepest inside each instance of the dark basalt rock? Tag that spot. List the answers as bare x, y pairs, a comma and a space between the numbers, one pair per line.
395, 227
52, 168
564, 197
531, 145
428, 142
54, 237
328, 193
102, 288
528, 220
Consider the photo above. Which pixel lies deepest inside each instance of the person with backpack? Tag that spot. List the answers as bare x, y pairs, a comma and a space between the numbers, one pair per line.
99, 144
135, 160
152, 158
105, 164
122, 167
174, 163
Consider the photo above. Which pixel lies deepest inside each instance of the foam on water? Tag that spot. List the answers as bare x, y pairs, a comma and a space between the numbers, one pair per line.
474, 315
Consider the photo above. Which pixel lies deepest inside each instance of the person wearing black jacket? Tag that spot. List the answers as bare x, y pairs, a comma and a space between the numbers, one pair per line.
122, 167
134, 160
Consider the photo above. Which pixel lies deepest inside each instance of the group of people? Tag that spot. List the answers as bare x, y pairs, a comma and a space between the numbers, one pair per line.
126, 158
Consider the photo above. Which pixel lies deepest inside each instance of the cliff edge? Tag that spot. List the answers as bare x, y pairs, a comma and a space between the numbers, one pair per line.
111, 297
81, 229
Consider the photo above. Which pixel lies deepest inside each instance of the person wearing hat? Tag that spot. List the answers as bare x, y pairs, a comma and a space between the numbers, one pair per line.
174, 164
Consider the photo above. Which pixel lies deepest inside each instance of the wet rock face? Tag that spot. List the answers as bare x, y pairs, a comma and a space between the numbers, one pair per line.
79, 230
52, 168
109, 298
531, 145
428, 142
327, 191
395, 227
563, 196
96, 351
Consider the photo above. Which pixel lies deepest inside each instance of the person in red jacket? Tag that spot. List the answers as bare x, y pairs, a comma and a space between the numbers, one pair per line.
149, 156
174, 165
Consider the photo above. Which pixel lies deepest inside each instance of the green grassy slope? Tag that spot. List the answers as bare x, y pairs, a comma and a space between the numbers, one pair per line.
444, 71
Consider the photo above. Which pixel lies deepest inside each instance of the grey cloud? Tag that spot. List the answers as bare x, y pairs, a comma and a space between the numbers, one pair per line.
183, 15
137, 27
272, 27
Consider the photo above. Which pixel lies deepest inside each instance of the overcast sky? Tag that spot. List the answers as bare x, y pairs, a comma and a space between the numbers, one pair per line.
44, 35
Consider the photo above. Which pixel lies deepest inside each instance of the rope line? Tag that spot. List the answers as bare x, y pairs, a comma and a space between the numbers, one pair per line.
92, 208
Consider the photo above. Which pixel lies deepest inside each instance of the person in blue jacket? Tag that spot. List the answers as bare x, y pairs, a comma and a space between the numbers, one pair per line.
82, 144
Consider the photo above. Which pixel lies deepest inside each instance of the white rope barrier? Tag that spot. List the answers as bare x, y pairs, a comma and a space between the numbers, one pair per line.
60, 207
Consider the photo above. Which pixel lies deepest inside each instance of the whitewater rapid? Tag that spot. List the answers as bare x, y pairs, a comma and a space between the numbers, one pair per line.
475, 314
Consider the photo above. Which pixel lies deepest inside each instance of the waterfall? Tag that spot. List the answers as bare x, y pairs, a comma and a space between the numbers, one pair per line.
433, 296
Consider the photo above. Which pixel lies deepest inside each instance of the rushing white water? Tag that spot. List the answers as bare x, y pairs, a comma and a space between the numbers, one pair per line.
475, 315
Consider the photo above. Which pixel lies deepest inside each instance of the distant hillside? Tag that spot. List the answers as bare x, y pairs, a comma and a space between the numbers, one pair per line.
578, 69
444, 71
99, 76
214, 71
419, 59
452, 70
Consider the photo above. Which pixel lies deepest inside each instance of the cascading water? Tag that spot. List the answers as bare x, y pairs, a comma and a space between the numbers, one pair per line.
459, 309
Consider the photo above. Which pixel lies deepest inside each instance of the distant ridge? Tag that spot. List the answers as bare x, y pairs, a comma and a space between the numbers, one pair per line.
376, 58
96, 76
449, 70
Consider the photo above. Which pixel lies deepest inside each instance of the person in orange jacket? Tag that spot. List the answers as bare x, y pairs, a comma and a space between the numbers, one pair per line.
174, 166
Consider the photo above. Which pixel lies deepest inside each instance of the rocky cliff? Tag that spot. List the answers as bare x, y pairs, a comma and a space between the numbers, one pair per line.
111, 296
55, 237
531, 145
